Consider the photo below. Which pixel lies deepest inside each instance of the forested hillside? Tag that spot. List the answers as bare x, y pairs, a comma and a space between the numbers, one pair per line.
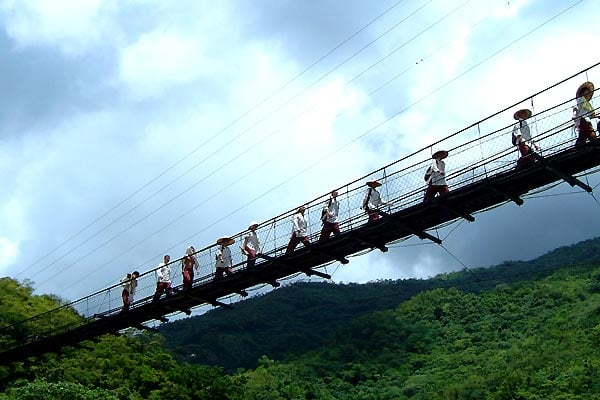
133, 366
532, 340
300, 317
522, 330
17, 304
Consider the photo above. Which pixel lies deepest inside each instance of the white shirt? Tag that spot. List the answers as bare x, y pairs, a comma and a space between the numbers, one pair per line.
521, 128
372, 200
223, 257
129, 284
333, 208
163, 273
251, 240
438, 173
299, 225
584, 108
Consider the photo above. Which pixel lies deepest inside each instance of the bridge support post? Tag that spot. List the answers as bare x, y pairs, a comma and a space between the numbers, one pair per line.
424, 235
421, 234
311, 272
143, 327
571, 180
342, 259
459, 213
369, 243
516, 199
308, 271
186, 311
214, 302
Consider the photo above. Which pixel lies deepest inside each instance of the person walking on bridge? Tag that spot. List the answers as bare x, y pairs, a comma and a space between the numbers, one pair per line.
129, 284
251, 245
223, 260
373, 201
329, 217
521, 137
435, 176
189, 263
299, 231
163, 279
585, 112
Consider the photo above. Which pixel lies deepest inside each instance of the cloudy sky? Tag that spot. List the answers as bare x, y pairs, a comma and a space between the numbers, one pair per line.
127, 126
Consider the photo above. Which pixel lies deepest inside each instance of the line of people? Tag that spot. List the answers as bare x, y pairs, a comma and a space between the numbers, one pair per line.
583, 113
435, 177
371, 204
190, 266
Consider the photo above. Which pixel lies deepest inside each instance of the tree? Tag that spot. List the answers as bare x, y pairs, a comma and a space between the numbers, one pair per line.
42, 390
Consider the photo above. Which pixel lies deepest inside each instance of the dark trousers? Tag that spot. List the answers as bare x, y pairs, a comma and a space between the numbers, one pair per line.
126, 302
162, 287
433, 189
294, 241
188, 278
220, 270
373, 215
328, 229
527, 157
586, 132
251, 254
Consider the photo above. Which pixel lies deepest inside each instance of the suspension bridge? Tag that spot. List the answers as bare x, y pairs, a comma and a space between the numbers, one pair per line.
482, 173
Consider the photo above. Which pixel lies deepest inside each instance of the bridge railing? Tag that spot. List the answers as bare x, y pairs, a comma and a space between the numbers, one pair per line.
479, 151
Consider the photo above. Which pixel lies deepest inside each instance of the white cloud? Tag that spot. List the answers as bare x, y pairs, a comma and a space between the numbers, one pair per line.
509, 8
456, 52
314, 129
163, 59
188, 71
72, 26
9, 251
13, 230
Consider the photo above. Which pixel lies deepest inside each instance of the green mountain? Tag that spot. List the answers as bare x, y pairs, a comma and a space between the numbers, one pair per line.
520, 330
297, 318
536, 339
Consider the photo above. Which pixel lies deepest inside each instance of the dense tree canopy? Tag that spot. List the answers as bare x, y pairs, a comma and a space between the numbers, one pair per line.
300, 317
521, 330
537, 340
19, 306
41, 389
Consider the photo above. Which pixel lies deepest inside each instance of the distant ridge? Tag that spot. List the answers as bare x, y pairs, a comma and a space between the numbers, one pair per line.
301, 316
